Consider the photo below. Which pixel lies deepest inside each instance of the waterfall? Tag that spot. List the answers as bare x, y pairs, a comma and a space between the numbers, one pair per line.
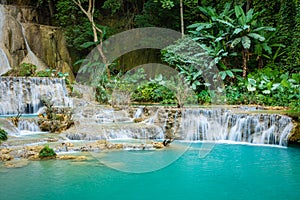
29, 125
139, 112
24, 94
31, 57
4, 63
222, 125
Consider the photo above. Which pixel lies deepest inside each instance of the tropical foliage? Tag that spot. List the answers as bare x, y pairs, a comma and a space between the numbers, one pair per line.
3, 135
253, 44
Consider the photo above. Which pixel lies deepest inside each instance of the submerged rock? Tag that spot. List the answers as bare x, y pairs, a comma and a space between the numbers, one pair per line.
16, 163
72, 157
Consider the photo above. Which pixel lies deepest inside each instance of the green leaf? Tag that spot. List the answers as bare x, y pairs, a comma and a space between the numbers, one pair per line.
264, 28
222, 74
80, 61
237, 31
252, 81
250, 88
275, 86
229, 73
225, 22
257, 36
88, 44
249, 16
240, 15
266, 92
285, 83
246, 42
267, 48
235, 42
237, 70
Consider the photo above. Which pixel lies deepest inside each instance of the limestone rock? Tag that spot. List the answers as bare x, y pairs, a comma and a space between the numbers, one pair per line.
72, 157
158, 145
5, 150
6, 157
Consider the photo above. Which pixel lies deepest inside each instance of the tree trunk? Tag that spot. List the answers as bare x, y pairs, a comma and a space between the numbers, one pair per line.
248, 6
90, 15
181, 18
245, 53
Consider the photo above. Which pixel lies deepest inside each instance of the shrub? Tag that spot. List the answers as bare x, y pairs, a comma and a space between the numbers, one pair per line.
27, 69
47, 152
3, 135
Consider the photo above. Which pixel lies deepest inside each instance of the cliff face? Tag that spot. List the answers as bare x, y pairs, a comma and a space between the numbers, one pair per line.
23, 39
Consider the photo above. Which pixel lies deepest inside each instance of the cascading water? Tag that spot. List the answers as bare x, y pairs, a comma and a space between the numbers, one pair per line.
139, 112
25, 94
222, 125
4, 63
31, 57
29, 125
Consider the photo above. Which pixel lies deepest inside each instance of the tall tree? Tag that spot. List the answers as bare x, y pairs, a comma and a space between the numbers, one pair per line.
98, 39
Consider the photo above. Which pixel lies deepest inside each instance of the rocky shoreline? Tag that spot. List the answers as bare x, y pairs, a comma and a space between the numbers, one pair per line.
67, 150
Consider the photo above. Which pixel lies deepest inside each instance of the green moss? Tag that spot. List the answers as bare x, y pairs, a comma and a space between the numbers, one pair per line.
47, 152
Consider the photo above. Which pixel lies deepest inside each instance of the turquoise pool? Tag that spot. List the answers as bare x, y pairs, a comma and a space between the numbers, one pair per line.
227, 172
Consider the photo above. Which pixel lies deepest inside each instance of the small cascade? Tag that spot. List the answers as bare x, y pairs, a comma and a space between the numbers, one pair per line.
25, 94
218, 124
139, 112
29, 125
153, 118
117, 131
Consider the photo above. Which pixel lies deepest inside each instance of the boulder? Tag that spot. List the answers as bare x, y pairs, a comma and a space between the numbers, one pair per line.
6, 157
158, 145
5, 150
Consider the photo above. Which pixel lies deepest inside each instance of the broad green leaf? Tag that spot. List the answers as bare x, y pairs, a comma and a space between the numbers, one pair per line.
246, 42
256, 36
267, 48
222, 74
204, 26
264, 28
285, 83
219, 39
252, 81
194, 86
237, 31
237, 70
225, 22
249, 16
235, 42
240, 15
229, 73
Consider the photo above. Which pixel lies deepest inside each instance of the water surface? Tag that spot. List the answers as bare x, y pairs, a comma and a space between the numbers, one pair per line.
227, 172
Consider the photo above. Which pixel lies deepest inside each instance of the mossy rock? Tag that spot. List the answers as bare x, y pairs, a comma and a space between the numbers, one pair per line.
47, 152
